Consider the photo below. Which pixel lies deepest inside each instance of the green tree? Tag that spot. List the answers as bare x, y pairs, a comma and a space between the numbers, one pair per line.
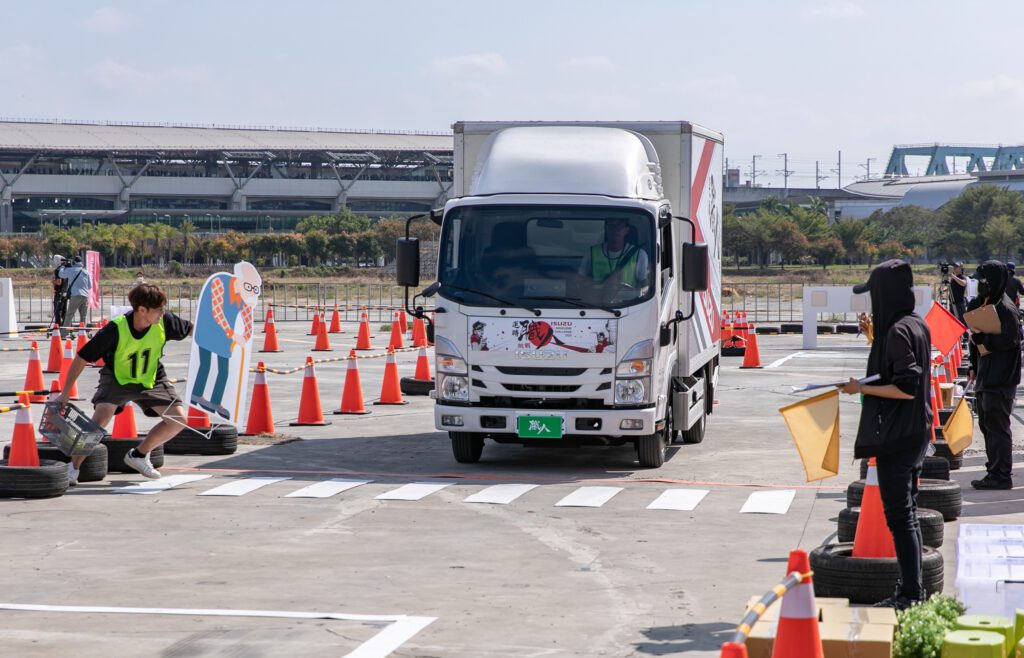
827, 250
317, 246
187, 229
786, 239
965, 217
1000, 235
343, 221
849, 232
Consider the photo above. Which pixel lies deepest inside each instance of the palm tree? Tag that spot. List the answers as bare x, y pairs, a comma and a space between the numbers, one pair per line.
187, 229
818, 205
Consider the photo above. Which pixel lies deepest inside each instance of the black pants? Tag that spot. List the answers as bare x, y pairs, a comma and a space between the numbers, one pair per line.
994, 409
897, 483
958, 308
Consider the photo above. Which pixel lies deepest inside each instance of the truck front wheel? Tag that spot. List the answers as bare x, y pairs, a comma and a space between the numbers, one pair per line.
467, 446
650, 450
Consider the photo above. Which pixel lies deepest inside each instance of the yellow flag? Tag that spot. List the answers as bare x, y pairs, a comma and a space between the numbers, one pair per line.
814, 424
959, 428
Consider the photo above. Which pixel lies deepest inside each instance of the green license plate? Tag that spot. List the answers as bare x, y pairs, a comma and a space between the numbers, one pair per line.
539, 427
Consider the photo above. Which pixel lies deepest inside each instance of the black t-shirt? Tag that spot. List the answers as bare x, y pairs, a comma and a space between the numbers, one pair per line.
1014, 288
104, 342
957, 292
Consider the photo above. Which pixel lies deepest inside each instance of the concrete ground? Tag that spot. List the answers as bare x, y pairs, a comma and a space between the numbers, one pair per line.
523, 579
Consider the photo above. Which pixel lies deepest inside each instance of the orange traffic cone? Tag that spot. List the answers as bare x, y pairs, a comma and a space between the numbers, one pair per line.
396, 333
34, 375
124, 424
53, 361
54, 391
268, 319
335, 322
270, 341
363, 339
726, 327
352, 394
873, 538
23, 443
261, 418
733, 650
403, 322
797, 633
323, 344
83, 336
391, 389
423, 367
65, 365
197, 419
936, 401
751, 356
419, 333
310, 412
316, 323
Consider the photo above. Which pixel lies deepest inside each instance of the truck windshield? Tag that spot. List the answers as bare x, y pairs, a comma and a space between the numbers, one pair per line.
547, 256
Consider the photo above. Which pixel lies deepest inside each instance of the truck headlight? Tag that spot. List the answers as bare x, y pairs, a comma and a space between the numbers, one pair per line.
454, 388
631, 391
449, 359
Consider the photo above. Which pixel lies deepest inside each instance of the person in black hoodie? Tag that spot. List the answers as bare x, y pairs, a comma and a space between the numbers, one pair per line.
995, 368
896, 414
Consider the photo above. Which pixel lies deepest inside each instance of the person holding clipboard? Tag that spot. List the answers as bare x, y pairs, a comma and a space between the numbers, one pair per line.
995, 369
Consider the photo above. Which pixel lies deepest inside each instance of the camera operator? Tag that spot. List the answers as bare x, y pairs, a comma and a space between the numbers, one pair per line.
958, 290
60, 298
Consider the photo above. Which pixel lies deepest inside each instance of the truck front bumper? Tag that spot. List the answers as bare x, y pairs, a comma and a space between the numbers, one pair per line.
577, 422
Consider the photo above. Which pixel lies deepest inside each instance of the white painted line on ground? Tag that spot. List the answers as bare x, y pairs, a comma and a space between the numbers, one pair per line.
815, 355
779, 362
500, 494
589, 497
243, 486
413, 491
768, 502
400, 628
682, 500
327, 488
163, 484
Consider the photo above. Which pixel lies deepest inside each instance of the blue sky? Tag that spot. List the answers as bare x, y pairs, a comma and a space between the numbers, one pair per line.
807, 78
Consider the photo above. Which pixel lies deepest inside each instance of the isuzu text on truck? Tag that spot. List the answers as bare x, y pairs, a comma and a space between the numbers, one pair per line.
578, 285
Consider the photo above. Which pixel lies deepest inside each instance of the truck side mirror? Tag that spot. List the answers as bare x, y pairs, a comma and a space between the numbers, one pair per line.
696, 267
407, 266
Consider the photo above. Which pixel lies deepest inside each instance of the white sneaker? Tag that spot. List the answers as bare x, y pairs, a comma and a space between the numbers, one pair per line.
72, 475
142, 465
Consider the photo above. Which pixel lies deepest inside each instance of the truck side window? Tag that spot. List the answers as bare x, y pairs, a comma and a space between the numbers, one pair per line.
666, 256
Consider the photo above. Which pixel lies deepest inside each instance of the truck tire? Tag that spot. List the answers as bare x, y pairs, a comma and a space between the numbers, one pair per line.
223, 441
867, 580
93, 469
48, 480
932, 530
118, 448
466, 446
934, 468
650, 450
696, 433
943, 496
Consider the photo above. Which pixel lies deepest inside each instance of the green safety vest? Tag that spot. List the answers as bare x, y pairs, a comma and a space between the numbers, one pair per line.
602, 267
136, 359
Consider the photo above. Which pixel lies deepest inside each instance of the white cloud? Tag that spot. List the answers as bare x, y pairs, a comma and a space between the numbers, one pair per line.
833, 9
598, 63
477, 63
115, 74
108, 19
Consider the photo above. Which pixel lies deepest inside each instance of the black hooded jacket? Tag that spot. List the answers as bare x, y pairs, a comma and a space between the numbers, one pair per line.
900, 354
999, 367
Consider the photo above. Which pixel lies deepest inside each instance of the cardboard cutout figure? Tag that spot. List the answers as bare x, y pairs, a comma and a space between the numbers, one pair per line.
222, 343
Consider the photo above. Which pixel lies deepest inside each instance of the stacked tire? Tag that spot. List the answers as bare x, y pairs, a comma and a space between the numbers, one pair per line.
867, 580
118, 448
931, 522
942, 496
93, 469
48, 480
934, 468
223, 440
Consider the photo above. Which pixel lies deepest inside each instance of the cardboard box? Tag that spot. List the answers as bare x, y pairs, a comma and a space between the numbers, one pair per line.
853, 640
846, 632
858, 615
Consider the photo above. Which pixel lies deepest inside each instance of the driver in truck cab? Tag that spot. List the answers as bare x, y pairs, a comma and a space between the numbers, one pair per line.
617, 260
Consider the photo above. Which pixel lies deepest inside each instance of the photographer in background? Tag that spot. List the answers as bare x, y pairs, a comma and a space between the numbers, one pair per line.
958, 290
79, 284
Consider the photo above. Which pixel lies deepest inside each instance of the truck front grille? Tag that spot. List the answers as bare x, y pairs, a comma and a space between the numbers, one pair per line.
541, 388
540, 372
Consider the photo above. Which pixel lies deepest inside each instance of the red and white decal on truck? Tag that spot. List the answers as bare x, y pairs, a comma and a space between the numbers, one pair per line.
706, 213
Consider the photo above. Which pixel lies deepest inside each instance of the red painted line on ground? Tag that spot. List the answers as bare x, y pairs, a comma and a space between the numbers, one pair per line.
510, 478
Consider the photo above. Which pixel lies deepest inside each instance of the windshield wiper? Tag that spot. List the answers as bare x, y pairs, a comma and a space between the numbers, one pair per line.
575, 301
490, 296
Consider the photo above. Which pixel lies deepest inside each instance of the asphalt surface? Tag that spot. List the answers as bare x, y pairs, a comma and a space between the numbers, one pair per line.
527, 578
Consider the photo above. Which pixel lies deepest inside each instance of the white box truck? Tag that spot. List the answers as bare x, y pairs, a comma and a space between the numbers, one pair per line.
578, 288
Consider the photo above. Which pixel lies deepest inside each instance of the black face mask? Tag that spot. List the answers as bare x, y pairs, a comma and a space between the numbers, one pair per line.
983, 288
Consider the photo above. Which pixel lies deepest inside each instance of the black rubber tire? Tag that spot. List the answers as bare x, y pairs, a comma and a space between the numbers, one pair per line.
734, 351
93, 469
942, 450
48, 480
650, 450
767, 331
826, 329
866, 580
944, 415
223, 441
791, 328
943, 496
932, 530
934, 468
467, 446
696, 433
847, 329
117, 448
411, 386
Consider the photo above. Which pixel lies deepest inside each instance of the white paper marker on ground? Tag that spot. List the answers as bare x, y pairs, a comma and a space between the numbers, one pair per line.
413, 491
243, 486
682, 500
768, 502
500, 494
163, 484
589, 497
327, 488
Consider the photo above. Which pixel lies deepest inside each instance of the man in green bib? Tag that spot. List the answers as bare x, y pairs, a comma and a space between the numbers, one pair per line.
616, 261
131, 347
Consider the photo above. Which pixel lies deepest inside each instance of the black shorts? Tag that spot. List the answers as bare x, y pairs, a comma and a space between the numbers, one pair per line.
148, 400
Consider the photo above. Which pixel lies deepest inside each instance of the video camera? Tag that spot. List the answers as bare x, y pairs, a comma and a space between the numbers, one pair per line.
944, 268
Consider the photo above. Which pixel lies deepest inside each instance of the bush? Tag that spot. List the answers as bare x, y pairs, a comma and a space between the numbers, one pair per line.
923, 627
175, 268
